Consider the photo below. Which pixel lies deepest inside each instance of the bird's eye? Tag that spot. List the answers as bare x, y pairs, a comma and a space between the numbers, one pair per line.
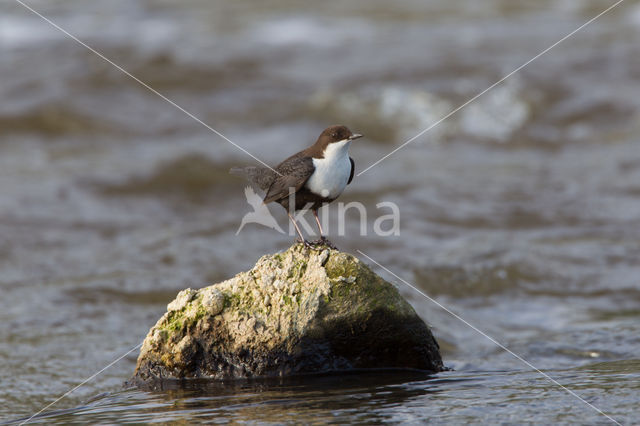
334, 135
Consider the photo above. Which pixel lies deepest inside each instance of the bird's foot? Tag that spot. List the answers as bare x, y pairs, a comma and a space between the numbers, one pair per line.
324, 241
307, 244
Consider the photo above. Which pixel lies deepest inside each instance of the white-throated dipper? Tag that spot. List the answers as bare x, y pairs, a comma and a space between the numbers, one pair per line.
312, 177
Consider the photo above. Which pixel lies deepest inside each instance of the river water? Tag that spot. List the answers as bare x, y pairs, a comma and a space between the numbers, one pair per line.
520, 213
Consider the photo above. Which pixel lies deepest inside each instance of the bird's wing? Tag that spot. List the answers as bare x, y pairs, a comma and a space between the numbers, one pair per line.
353, 169
294, 172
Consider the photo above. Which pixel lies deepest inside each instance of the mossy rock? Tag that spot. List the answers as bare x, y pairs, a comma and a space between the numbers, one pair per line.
296, 312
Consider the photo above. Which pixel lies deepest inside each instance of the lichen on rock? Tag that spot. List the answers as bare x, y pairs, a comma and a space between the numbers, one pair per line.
295, 312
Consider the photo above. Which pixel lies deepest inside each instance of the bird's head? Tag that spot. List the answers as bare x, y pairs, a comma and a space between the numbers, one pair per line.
336, 135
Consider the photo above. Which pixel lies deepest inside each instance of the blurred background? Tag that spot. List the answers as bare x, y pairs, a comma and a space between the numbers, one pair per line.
521, 212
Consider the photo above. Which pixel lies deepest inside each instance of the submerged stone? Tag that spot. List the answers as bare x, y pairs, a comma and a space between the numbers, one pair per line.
297, 312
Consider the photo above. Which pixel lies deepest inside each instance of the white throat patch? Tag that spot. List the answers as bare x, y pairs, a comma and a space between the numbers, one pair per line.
332, 172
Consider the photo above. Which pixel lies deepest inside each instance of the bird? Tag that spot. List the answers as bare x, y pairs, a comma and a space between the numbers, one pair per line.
310, 178
260, 213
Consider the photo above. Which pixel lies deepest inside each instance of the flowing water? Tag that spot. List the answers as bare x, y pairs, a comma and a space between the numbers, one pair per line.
520, 213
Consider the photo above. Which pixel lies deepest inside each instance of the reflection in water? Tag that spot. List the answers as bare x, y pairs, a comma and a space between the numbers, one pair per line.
374, 397
520, 213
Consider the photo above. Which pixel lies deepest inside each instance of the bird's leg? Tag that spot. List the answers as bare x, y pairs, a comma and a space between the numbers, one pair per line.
323, 240
315, 214
302, 240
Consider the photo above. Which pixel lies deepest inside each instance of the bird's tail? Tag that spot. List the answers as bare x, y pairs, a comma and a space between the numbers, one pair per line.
239, 171
261, 177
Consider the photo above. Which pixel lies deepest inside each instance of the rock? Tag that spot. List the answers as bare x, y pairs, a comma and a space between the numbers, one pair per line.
300, 311
212, 300
181, 300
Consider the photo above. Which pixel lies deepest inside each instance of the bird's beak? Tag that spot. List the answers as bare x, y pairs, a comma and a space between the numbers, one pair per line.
355, 136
